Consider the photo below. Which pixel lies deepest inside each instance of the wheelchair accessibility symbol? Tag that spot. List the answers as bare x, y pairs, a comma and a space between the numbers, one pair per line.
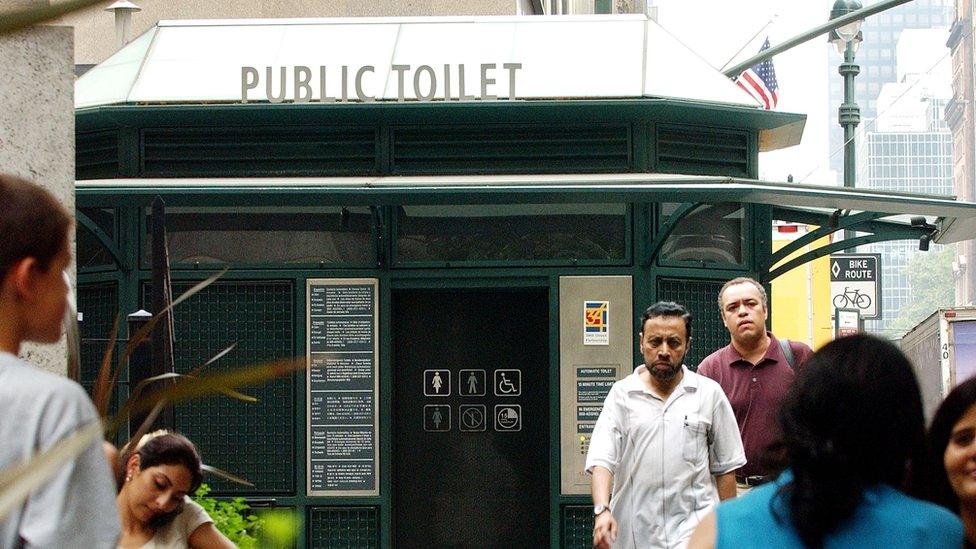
508, 417
508, 382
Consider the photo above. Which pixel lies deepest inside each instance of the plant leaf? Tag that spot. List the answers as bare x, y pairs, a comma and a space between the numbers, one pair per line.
172, 375
189, 388
220, 473
214, 358
105, 383
146, 424
17, 482
18, 18
73, 338
143, 333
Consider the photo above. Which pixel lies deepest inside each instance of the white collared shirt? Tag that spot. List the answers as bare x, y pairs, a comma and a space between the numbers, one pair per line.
663, 455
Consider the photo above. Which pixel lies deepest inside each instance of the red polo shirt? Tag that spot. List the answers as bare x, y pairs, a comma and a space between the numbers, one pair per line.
755, 392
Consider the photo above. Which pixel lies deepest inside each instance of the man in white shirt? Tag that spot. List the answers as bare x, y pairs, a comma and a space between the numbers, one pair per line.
663, 434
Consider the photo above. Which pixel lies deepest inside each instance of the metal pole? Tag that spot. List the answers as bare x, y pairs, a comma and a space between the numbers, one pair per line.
736, 70
849, 116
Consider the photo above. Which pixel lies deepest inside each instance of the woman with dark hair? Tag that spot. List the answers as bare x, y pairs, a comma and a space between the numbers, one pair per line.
952, 445
852, 432
156, 512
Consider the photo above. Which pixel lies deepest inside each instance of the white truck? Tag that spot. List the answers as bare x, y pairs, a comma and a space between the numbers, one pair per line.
942, 349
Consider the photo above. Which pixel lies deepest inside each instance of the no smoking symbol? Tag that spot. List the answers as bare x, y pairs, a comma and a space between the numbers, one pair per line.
473, 417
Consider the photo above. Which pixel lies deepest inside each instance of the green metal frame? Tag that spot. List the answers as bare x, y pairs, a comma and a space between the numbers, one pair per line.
105, 240
391, 278
880, 231
642, 115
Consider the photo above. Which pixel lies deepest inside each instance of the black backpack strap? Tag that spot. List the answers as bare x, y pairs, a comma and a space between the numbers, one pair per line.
788, 352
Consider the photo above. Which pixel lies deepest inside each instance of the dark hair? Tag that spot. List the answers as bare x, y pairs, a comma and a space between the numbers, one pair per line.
32, 223
852, 419
667, 308
742, 280
166, 448
934, 484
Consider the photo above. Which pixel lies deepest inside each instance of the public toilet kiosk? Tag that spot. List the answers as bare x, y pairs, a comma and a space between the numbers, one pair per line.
458, 221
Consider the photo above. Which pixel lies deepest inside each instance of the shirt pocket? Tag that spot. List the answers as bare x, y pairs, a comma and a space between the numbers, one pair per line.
695, 431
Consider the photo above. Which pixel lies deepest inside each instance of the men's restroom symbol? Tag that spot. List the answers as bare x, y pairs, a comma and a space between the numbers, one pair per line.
472, 383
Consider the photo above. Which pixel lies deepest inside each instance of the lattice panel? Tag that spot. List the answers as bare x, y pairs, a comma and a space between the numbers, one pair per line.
343, 527
700, 297
256, 441
98, 304
577, 527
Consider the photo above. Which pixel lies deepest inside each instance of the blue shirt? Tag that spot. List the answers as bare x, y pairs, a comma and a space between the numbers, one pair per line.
886, 518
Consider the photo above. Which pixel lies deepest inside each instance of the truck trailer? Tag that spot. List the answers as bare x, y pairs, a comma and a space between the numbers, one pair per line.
942, 349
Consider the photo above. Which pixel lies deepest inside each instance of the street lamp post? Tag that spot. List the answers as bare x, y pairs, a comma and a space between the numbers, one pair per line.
847, 38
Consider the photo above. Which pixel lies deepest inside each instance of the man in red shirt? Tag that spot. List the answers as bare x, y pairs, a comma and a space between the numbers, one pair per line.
755, 370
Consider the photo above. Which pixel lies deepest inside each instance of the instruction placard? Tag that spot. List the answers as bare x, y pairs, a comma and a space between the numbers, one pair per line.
342, 389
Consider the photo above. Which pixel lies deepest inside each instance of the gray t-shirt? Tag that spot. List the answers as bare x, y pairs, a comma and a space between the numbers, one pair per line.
75, 507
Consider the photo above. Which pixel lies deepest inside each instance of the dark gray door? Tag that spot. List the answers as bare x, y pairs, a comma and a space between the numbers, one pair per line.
471, 418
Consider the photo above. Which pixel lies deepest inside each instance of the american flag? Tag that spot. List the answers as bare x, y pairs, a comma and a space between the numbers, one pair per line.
759, 80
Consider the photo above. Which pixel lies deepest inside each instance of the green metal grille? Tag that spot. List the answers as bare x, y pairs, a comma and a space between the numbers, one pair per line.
701, 150
700, 297
253, 440
577, 527
555, 148
97, 155
98, 305
343, 527
259, 151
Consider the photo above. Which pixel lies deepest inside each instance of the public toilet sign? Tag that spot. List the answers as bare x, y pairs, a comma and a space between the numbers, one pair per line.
855, 283
301, 84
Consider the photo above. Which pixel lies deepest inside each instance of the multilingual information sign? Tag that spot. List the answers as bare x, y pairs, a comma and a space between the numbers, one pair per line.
342, 387
855, 283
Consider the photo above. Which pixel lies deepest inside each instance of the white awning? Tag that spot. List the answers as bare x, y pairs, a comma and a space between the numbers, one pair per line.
956, 219
560, 57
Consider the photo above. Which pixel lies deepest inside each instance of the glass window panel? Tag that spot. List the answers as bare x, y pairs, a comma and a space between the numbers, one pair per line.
253, 235
506, 232
104, 219
91, 254
712, 233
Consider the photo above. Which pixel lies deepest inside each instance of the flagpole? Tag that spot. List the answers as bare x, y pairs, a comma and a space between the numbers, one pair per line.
811, 34
750, 41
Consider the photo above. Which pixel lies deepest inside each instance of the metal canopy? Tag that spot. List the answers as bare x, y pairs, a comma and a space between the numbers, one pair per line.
955, 220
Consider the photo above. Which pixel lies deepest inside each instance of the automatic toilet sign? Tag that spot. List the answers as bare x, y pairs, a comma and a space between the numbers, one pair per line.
855, 283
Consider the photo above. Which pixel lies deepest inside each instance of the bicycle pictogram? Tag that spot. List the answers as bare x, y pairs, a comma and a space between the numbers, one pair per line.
852, 298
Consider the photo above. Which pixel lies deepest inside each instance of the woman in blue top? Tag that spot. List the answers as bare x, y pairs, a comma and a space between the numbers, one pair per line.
952, 443
852, 429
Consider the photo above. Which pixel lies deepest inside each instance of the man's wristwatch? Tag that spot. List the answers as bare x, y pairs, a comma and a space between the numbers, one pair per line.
600, 508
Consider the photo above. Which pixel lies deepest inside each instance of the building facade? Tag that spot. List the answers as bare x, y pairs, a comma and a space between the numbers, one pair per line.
877, 59
960, 118
909, 149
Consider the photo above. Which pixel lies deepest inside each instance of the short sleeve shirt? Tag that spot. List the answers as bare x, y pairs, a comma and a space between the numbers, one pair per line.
662, 456
76, 506
884, 518
176, 534
755, 392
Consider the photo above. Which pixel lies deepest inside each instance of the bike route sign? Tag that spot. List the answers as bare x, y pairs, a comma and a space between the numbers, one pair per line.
855, 283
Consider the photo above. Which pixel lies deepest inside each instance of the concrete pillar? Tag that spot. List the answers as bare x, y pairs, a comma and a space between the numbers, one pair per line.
37, 126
